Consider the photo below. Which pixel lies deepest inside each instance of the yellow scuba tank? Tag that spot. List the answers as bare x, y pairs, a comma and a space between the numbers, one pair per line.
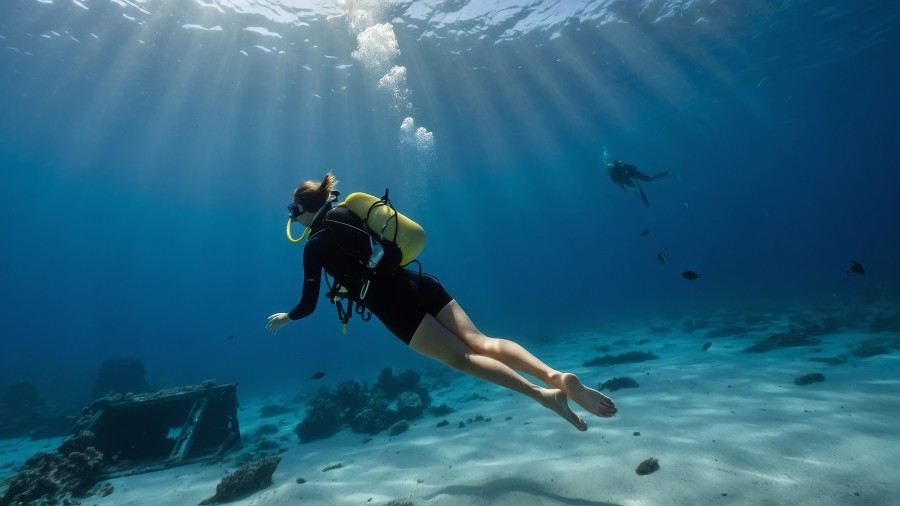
385, 222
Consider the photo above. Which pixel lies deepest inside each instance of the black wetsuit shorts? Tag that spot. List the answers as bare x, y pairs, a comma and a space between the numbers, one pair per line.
402, 301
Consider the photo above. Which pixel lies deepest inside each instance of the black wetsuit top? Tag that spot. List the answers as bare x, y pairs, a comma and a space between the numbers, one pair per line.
623, 174
400, 300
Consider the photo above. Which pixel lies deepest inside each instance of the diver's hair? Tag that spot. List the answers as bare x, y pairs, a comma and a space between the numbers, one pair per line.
312, 195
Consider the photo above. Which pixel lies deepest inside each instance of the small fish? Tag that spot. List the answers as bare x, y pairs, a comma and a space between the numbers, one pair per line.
645, 232
706, 346
856, 268
230, 338
661, 257
318, 375
690, 275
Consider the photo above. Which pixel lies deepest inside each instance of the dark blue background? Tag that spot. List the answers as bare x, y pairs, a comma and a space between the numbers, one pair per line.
145, 173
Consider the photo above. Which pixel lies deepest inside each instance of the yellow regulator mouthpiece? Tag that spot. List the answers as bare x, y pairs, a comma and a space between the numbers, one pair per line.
287, 231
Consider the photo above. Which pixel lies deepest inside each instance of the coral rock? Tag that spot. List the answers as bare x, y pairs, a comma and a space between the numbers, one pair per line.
409, 405
367, 410
245, 480
648, 466
399, 428
48, 478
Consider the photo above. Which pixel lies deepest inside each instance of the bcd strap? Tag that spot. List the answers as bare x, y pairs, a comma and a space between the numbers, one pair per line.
337, 294
384, 201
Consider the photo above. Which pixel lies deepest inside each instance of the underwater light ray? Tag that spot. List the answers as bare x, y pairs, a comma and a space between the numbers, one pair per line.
218, 146
84, 97
257, 100
174, 137
679, 65
131, 85
531, 106
473, 108
564, 104
268, 105
596, 79
634, 71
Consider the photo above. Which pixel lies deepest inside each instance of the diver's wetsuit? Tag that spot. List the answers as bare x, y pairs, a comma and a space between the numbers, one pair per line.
400, 301
623, 174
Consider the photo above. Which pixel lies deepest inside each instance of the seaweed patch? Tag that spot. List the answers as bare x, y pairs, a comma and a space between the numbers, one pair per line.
618, 383
871, 348
830, 360
807, 379
625, 358
795, 336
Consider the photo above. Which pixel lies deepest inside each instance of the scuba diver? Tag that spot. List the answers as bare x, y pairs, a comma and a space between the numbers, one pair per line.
624, 174
417, 309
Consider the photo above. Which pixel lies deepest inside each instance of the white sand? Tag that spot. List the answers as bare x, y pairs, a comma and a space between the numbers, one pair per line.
727, 427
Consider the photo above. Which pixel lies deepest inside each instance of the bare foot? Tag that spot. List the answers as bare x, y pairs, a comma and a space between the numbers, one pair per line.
593, 401
557, 401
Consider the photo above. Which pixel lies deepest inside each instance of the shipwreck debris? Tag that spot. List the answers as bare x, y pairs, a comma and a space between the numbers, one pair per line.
148, 432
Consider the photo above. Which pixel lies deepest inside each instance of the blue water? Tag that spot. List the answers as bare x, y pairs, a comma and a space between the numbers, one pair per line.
148, 150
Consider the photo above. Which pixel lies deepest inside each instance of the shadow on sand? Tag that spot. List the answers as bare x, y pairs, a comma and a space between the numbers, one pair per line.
492, 490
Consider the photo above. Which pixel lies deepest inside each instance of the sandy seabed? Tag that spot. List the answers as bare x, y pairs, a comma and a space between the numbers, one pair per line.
727, 427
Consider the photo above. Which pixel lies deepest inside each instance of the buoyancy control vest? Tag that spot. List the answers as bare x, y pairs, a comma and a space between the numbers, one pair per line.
377, 238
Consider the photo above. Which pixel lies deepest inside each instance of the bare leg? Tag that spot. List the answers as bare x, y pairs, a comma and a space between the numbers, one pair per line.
435, 341
515, 356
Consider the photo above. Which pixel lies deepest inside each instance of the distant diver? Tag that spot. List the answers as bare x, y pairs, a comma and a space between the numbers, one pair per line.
625, 174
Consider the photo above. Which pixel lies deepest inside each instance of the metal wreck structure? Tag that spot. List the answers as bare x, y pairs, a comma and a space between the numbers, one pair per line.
148, 432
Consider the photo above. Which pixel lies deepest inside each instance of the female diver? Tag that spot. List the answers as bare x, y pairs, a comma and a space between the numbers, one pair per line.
418, 310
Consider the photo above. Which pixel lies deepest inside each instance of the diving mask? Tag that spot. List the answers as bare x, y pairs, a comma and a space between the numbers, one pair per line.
296, 209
